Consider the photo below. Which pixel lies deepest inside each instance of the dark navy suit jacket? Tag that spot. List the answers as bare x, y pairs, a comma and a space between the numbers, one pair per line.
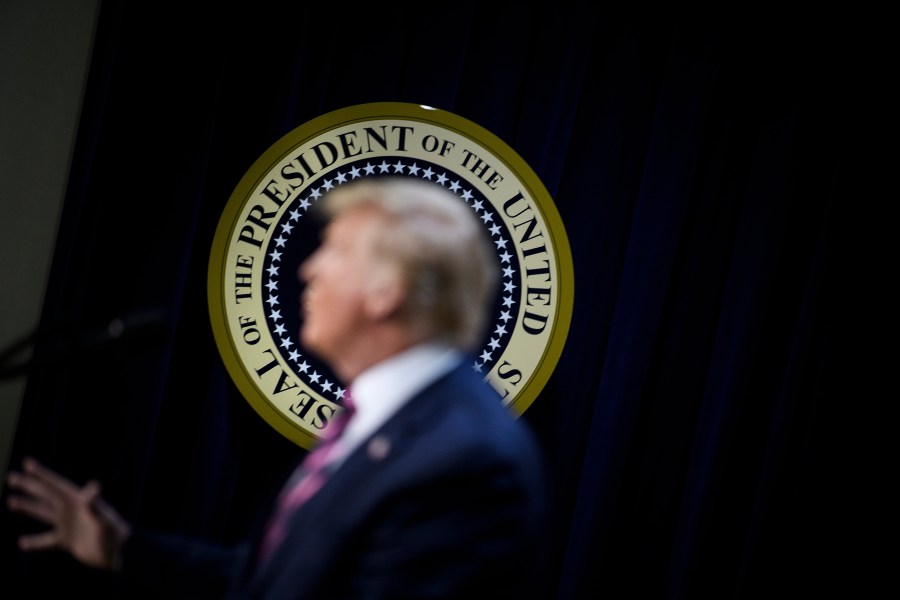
446, 500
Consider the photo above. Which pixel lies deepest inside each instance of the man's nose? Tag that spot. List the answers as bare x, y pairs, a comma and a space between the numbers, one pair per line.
304, 271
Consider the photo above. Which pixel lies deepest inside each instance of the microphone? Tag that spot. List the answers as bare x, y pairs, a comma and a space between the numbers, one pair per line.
150, 324
143, 323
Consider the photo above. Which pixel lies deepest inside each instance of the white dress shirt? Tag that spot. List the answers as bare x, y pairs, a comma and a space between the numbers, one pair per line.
383, 389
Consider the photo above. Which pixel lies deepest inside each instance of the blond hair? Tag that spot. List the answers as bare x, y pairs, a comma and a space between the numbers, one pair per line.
440, 247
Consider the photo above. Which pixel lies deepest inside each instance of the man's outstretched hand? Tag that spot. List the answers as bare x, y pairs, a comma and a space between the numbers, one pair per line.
81, 522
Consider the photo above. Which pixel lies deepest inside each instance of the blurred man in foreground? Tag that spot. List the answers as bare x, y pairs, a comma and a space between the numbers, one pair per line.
430, 490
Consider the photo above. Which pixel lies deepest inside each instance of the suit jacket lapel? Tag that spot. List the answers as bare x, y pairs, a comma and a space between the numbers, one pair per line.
364, 465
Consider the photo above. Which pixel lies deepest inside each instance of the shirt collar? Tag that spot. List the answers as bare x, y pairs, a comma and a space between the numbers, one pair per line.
383, 389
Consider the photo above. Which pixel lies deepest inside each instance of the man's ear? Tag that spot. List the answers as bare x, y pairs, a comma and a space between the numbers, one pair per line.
385, 295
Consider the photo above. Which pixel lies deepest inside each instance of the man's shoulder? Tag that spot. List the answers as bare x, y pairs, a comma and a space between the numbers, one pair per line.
463, 406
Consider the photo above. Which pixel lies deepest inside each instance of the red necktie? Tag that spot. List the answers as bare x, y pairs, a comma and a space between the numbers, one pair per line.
307, 479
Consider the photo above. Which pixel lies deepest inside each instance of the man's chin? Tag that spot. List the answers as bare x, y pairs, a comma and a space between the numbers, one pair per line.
307, 339
311, 343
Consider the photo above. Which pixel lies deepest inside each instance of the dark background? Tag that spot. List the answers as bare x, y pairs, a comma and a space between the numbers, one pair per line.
699, 163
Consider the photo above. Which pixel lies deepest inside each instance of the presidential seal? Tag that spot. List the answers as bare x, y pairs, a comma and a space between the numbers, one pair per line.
266, 231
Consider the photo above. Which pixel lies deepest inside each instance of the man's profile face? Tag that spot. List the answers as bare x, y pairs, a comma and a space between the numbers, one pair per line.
332, 304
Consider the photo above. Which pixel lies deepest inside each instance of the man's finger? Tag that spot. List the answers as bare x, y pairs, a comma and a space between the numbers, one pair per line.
111, 516
32, 507
90, 492
32, 487
53, 479
102, 508
39, 541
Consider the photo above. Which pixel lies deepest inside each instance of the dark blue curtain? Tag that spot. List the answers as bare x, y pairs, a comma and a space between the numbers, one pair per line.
698, 163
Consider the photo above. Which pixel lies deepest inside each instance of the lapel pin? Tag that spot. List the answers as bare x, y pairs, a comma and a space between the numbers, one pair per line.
379, 447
